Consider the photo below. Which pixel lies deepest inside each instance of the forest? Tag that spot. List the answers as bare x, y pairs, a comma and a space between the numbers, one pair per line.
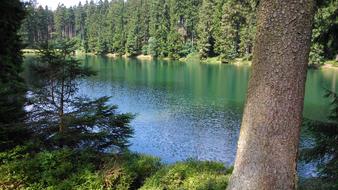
169, 28
86, 122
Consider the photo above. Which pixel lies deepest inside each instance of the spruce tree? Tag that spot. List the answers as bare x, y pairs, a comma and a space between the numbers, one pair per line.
117, 27
325, 150
60, 117
13, 130
160, 25
80, 20
133, 43
206, 43
60, 21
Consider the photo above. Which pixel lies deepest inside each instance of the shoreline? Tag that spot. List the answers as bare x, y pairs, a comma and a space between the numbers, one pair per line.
189, 58
328, 66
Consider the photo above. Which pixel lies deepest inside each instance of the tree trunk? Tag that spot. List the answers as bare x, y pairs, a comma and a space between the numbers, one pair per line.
268, 143
61, 111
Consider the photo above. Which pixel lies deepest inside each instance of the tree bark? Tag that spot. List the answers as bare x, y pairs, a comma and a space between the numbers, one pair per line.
268, 143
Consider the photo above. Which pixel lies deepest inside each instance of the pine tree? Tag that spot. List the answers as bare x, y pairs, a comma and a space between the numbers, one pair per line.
61, 118
38, 25
60, 21
160, 25
206, 43
237, 29
13, 130
144, 34
324, 38
133, 43
268, 144
117, 27
80, 28
177, 31
325, 150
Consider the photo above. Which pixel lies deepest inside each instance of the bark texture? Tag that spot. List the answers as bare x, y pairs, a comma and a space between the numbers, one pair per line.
268, 144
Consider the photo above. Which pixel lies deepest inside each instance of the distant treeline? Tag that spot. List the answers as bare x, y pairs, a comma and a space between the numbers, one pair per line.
168, 28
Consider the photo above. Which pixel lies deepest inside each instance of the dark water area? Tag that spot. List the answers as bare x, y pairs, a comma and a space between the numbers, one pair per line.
189, 110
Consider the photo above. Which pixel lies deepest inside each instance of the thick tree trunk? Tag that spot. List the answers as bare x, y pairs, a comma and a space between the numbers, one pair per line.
268, 144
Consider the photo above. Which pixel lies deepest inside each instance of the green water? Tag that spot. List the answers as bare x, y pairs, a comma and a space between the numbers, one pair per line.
188, 110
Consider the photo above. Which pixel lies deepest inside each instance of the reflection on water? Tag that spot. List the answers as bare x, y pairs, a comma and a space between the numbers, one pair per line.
188, 110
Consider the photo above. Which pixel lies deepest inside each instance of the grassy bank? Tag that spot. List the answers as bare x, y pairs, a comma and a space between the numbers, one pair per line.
86, 170
74, 169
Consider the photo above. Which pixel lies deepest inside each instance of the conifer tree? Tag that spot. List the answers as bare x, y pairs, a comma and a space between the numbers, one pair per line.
117, 27
160, 25
13, 130
133, 43
61, 118
206, 43
80, 27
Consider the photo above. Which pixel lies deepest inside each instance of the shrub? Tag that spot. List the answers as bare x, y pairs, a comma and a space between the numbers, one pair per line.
61, 169
316, 54
190, 175
67, 169
130, 171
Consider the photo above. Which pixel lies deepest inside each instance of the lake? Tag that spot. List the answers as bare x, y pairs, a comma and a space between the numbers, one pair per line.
188, 110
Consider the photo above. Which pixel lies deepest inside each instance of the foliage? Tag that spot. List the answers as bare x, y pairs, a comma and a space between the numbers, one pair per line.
153, 47
237, 29
326, 28
316, 56
190, 175
74, 169
59, 169
130, 171
61, 118
206, 36
325, 149
85, 169
171, 28
12, 88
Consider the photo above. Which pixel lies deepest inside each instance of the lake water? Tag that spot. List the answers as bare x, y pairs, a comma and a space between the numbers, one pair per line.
188, 110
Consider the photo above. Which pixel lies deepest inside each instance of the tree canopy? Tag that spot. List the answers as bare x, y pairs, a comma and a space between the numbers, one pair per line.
169, 28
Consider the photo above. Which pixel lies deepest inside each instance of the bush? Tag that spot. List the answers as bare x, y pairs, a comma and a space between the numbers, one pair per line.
316, 54
61, 169
130, 171
190, 175
145, 50
70, 169
153, 47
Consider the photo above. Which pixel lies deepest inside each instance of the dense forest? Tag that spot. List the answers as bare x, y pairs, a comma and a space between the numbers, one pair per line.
53, 137
168, 28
